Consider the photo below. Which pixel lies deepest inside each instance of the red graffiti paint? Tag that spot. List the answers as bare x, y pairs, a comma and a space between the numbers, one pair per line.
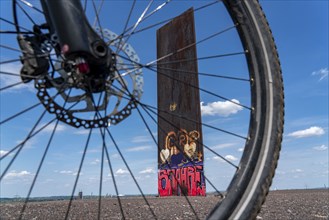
180, 181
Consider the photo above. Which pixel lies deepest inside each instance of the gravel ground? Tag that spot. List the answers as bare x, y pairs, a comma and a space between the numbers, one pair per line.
296, 204
287, 204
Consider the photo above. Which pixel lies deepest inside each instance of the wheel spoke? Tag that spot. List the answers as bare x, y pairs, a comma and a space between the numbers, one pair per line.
32, 133
38, 171
152, 108
12, 61
101, 175
26, 14
227, 76
78, 174
102, 131
81, 162
114, 182
125, 28
15, 32
21, 145
104, 148
9, 22
10, 86
203, 90
20, 113
27, 58
194, 59
137, 23
31, 6
41, 162
11, 48
124, 160
30, 108
159, 150
97, 16
131, 173
97, 12
156, 10
193, 86
185, 118
95, 94
192, 45
162, 22
205, 74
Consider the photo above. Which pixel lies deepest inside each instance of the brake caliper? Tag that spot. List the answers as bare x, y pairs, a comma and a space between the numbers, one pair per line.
35, 61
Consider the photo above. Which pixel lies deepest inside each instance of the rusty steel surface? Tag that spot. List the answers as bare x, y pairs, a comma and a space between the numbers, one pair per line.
175, 95
179, 114
176, 74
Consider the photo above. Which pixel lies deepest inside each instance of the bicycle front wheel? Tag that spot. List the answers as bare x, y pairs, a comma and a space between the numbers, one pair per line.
60, 135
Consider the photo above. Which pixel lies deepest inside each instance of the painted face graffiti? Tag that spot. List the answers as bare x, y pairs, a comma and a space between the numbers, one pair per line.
183, 181
181, 165
180, 148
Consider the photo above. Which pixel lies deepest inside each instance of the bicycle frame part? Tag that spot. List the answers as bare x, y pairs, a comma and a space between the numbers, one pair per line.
68, 20
77, 39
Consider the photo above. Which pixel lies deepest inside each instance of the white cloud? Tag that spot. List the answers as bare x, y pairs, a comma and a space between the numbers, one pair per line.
217, 158
297, 171
141, 139
320, 148
97, 161
121, 171
227, 157
225, 108
7, 80
147, 170
115, 156
309, 132
241, 149
3, 152
82, 132
28, 144
221, 146
231, 158
85, 131
92, 151
322, 73
66, 172
14, 174
59, 128
279, 172
140, 148
50, 128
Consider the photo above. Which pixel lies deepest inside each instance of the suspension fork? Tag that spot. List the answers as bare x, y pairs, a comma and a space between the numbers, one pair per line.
77, 39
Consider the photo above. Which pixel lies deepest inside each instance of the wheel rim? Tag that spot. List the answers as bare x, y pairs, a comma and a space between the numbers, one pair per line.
213, 123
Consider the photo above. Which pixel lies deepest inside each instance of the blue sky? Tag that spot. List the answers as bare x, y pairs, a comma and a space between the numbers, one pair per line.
300, 29
301, 32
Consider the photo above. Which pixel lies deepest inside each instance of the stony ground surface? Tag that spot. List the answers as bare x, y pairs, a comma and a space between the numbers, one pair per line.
296, 204
292, 204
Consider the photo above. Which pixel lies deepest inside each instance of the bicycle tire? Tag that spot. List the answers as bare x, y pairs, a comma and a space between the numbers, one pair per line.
251, 182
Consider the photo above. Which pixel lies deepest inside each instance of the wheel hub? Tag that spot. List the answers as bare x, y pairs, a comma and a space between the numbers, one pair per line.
88, 95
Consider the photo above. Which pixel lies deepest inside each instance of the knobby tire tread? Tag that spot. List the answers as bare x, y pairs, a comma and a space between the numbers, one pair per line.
277, 65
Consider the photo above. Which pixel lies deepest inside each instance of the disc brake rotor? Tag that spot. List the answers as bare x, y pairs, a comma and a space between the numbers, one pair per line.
63, 93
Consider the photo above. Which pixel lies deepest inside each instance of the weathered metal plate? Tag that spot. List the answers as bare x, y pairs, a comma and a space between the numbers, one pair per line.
179, 115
